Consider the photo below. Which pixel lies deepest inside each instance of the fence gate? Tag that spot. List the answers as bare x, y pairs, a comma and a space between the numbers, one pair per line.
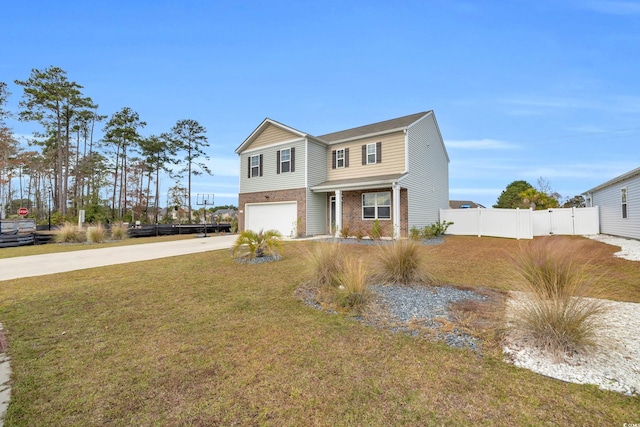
522, 223
553, 221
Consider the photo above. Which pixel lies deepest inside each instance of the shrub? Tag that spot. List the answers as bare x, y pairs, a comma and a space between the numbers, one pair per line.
346, 231
415, 233
376, 231
96, 234
436, 229
234, 225
400, 263
61, 220
119, 231
555, 313
358, 233
250, 244
352, 291
326, 262
69, 233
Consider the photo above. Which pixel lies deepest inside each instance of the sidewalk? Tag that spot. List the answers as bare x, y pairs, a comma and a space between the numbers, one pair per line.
39, 265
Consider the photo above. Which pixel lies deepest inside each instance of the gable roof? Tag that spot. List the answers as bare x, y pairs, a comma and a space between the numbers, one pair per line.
262, 126
615, 180
375, 128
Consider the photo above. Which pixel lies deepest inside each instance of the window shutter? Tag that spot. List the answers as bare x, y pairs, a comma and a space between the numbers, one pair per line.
293, 159
278, 161
378, 152
260, 164
333, 159
346, 157
249, 168
364, 154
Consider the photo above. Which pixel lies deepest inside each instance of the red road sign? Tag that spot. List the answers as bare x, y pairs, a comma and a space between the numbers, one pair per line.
23, 211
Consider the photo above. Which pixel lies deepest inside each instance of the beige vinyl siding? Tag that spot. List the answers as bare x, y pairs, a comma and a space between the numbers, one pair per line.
271, 135
609, 202
270, 179
393, 157
427, 180
316, 202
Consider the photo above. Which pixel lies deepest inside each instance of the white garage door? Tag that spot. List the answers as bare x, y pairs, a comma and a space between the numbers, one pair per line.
271, 216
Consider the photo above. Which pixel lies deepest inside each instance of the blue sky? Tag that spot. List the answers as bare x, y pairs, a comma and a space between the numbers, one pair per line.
520, 89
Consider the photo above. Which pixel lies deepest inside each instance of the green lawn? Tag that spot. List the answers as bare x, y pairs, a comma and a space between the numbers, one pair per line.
200, 340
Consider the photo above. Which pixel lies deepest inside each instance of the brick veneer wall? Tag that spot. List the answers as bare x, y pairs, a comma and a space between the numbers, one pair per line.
297, 194
352, 213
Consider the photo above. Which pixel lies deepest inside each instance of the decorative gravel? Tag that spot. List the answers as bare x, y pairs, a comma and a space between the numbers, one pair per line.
258, 260
402, 308
615, 365
428, 307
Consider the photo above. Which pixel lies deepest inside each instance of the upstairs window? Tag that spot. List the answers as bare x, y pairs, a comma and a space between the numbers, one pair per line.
376, 205
255, 166
623, 194
340, 158
285, 160
372, 153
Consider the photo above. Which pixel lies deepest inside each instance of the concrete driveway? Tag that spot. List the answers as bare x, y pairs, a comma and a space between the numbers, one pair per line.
39, 265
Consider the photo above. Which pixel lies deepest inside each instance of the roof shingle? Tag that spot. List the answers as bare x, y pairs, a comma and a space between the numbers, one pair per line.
386, 125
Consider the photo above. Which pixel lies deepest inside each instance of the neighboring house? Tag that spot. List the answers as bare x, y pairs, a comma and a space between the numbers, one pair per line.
224, 215
618, 201
396, 171
463, 204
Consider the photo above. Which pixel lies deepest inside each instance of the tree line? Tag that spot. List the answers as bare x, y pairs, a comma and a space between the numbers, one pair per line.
64, 169
521, 194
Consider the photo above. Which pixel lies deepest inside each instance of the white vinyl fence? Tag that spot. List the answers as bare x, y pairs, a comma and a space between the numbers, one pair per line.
521, 223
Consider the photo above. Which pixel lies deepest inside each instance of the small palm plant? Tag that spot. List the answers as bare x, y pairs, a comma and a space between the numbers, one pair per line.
250, 245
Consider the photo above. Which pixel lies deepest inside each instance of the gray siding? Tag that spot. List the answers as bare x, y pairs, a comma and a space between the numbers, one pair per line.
427, 181
316, 202
270, 179
610, 203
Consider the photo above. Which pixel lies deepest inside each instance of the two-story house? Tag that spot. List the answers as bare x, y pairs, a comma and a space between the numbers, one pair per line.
395, 171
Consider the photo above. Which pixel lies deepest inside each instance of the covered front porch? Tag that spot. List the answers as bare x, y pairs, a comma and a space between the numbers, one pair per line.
354, 205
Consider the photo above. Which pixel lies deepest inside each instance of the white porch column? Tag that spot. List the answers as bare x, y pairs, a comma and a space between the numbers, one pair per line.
338, 213
395, 202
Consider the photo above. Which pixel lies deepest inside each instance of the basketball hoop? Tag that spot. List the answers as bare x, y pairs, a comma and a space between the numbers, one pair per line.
204, 200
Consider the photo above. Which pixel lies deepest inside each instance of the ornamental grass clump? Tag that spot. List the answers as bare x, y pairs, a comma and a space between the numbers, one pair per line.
352, 291
69, 233
401, 263
119, 231
326, 262
558, 311
96, 234
250, 245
